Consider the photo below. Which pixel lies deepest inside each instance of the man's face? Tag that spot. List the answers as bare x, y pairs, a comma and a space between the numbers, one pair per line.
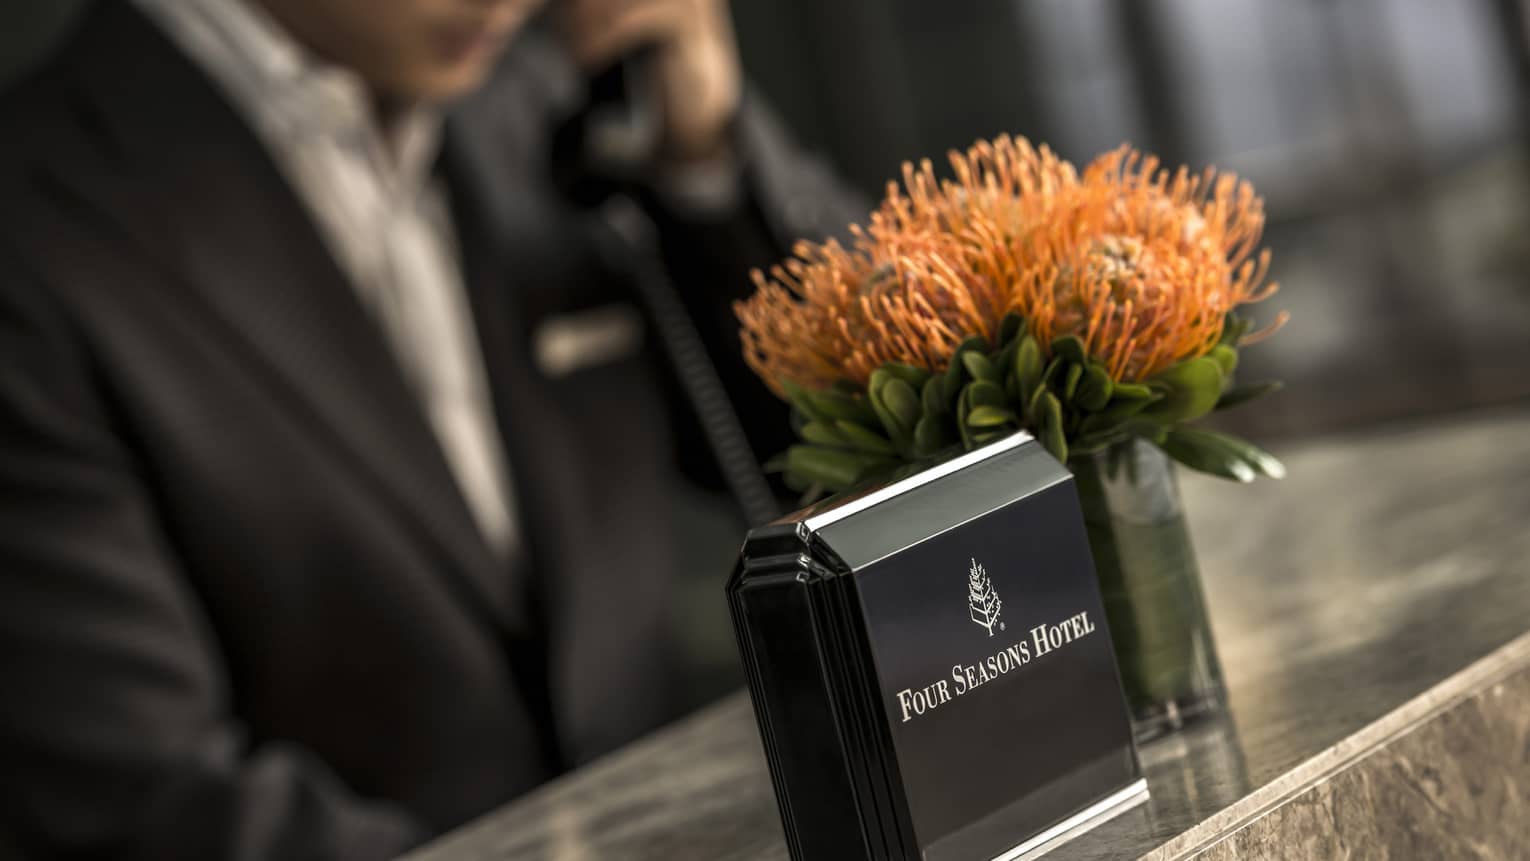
408, 50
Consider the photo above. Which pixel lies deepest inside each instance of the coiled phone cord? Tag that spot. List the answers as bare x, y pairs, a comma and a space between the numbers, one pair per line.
628, 238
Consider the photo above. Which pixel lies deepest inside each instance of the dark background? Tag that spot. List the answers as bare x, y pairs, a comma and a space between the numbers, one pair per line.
1388, 137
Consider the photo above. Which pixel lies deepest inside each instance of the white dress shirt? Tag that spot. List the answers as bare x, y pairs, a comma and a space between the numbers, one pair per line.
381, 211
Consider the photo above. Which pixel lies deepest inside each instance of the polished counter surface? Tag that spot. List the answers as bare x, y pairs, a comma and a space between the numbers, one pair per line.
1371, 611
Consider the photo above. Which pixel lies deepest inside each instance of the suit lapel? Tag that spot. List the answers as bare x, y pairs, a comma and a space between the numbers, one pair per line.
200, 192
602, 559
533, 428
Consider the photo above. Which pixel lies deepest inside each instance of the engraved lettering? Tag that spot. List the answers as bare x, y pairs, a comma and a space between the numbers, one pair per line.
1042, 640
1018, 655
1039, 635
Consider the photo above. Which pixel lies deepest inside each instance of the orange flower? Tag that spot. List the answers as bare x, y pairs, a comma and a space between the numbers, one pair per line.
1144, 265
1141, 265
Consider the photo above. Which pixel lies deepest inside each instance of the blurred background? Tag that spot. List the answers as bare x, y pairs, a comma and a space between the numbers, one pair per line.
1387, 136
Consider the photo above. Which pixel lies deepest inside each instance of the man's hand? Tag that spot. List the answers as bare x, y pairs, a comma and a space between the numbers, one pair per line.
697, 62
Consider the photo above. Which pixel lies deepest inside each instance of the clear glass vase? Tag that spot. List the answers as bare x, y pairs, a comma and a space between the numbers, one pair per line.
1151, 587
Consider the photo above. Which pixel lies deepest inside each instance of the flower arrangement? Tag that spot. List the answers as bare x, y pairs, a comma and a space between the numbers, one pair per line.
1088, 308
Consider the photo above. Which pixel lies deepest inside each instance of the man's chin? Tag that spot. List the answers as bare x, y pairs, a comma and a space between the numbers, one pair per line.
438, 85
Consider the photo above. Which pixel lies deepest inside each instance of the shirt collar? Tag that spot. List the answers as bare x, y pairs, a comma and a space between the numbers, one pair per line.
286, 91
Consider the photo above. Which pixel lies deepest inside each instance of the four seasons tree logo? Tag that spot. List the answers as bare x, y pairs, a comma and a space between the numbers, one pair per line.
982, 601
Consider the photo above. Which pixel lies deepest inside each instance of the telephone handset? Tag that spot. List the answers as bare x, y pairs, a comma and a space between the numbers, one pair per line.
604, 148
626, 125
600, 155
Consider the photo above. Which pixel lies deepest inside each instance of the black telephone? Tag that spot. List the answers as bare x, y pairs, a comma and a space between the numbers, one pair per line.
600, 154
603, 149
626, 124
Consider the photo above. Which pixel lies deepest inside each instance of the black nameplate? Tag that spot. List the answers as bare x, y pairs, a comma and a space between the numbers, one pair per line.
930, 666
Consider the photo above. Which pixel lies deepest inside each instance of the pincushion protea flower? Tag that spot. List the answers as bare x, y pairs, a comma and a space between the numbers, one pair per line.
933, 266
1142, 266
1088, 308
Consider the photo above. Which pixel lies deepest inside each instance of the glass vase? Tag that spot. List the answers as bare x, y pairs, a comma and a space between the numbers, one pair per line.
1150, 584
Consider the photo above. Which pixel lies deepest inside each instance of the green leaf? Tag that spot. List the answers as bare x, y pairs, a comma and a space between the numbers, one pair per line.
1245, 393
776, 463
1003, 361
989, 416
823, 434
839, 405
797, 419
987, 437
901, 435
1052, 371
1033, 406
1070, 382
802, 402
1097, 424
1126, 400
1221, 454
1190, 389
1266, 463
864, 439
1090, 443
1200, 454
835, 470
1257, 458
899, 398
978, 366
879, 378
930, 436
799, 483
1009, 327
1234, 328
982, 393
953, 379
1226, 357
974, 342
964, 409
1090, 440
1133, 391
1149, 430
957, 374
910, 374
1049, 429
1027, 368
1095, 389
932, 399
1070, 347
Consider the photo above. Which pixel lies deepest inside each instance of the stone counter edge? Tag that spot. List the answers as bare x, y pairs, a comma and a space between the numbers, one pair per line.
1428, 706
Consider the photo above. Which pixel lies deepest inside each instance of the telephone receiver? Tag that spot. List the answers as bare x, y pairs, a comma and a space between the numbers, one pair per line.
599, 155
626, 122
603, 148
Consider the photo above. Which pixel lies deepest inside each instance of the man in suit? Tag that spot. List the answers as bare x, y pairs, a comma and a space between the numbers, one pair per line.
302, 553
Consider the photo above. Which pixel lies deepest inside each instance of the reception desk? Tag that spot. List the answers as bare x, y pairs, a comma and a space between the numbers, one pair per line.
1373, 616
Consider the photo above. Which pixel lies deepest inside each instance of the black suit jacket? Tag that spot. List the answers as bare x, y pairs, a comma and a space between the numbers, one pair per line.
244, 612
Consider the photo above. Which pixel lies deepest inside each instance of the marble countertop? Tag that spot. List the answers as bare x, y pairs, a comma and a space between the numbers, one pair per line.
1387, 570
